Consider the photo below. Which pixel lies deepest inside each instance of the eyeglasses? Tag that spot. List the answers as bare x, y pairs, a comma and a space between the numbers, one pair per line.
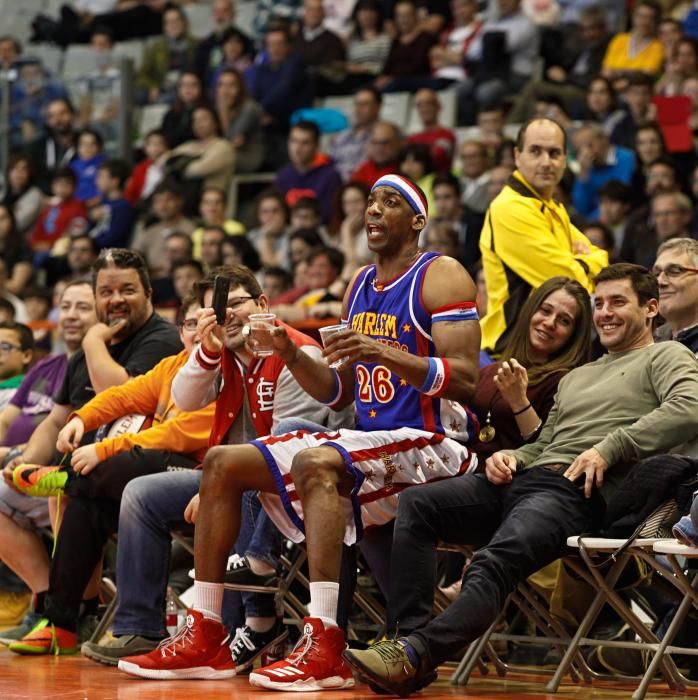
7, 348
673, 271
189, 324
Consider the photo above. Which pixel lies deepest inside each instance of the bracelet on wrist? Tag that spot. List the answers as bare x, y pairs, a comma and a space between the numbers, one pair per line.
523, 410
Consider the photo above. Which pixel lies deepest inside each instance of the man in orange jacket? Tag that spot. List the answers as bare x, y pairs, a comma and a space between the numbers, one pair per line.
100, 471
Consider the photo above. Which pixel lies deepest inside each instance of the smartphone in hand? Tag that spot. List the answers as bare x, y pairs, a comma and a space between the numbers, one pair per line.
221, 287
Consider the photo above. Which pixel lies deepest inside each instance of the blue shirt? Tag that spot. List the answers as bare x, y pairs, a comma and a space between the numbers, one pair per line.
619, 165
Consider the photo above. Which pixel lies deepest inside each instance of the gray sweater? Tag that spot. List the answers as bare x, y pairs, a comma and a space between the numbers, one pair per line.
628, 406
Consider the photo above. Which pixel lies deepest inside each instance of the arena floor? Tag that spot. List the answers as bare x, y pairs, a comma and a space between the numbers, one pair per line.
77, 678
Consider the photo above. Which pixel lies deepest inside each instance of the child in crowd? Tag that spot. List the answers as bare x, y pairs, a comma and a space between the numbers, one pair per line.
147, 175
64, 215
112, 218
86, 164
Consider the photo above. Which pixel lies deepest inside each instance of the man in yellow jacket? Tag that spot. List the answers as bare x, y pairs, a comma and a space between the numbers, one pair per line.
98, 475
528, 237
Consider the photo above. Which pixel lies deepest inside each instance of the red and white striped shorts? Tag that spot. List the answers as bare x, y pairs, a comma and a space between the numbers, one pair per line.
383, 463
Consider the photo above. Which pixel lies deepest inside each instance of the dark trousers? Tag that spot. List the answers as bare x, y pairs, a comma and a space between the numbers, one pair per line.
90, 518
521, 527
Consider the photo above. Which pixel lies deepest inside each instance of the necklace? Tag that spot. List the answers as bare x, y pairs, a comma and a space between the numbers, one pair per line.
487, 432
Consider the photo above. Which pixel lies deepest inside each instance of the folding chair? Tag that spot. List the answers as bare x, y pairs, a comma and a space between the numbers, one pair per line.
588, 570
548, 630
617, 553
287, 602
689, 589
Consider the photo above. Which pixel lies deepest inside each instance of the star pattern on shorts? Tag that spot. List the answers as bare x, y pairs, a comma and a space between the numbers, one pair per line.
455, 426
369, 474
403, 382
406, 327
430, 463
417, 466
372, 414
445, 459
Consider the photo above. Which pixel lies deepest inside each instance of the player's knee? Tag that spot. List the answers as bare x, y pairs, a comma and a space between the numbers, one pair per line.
218, 463
309, 471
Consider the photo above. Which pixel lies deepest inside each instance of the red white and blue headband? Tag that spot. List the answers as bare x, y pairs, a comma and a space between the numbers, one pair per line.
406, 189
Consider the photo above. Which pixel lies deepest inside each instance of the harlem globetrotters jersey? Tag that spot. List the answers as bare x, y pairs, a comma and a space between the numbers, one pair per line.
393, 313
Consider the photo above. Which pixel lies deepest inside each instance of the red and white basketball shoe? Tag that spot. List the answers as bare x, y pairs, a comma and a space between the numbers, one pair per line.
315, 663
199, 650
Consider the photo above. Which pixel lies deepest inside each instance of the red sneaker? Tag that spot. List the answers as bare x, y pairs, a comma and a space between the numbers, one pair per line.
315, 663
199, 650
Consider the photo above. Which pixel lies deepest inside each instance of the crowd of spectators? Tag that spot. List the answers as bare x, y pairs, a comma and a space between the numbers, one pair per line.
230, 100
622, 82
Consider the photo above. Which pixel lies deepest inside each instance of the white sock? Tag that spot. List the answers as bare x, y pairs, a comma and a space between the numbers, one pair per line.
208, 599
323, 601
258, 566
260, 624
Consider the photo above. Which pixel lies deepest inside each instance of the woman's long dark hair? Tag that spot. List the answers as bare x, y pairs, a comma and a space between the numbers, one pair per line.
11, 197
573, 353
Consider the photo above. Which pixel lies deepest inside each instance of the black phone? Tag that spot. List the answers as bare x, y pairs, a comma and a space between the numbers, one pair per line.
221, 287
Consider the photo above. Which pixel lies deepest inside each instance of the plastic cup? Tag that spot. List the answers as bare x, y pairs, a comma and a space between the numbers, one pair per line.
260, 339
326, 332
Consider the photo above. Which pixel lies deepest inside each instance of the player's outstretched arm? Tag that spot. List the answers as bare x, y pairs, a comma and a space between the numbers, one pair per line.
326, 385
329, 386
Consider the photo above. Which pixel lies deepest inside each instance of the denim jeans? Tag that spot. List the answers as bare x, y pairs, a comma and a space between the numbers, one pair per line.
520, 528
151, 507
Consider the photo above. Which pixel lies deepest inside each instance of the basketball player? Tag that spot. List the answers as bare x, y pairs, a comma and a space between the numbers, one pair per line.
409, 359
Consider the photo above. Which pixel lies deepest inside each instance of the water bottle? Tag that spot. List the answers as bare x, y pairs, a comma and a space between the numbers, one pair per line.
171, 613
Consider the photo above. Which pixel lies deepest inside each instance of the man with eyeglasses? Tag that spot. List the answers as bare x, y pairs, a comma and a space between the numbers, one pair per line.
98, 474
253, 397
16, 352
676, 269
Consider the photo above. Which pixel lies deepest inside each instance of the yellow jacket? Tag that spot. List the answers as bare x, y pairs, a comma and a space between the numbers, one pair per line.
618, 57
524, 242
150, 394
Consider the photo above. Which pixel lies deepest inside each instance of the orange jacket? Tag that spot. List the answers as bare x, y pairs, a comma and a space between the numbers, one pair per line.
149, 394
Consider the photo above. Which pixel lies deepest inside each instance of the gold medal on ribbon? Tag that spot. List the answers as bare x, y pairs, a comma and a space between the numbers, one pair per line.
487, 432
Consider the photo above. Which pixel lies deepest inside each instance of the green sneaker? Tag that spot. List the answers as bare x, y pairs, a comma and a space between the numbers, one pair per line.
36, 480
46, 638
387, 666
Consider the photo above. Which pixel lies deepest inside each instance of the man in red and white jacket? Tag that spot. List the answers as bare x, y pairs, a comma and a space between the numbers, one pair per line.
253, 395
